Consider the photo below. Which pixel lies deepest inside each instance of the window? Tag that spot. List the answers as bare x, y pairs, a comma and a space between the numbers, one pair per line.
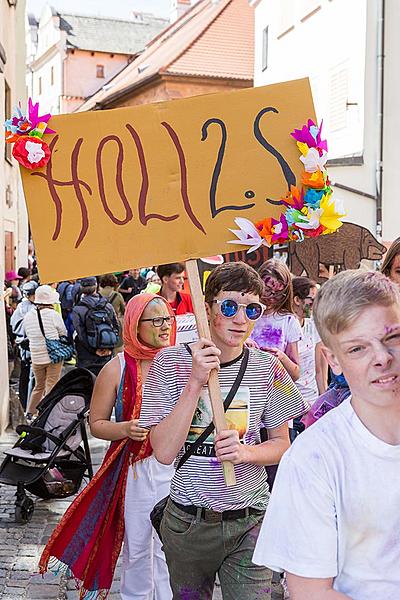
7, 111
9, 251
39, 86
339, 91
52, 76
265, 49
100, 71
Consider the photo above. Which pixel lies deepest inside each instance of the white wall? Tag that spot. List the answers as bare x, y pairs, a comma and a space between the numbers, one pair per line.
326, 40
391, 202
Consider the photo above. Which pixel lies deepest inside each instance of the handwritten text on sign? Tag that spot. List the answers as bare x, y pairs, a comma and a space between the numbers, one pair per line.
163, 182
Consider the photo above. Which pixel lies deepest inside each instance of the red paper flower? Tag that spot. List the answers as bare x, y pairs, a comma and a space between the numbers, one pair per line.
31, 152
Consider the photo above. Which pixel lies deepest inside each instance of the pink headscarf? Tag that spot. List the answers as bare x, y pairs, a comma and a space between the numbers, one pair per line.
134, 310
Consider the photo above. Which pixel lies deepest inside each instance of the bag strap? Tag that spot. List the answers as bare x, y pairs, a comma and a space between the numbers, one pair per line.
40, 322
228, 401
112, 297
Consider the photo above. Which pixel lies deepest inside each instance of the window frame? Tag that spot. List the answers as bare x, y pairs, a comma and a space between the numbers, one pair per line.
100, 69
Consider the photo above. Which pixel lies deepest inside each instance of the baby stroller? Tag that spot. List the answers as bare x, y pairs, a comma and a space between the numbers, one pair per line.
48, 459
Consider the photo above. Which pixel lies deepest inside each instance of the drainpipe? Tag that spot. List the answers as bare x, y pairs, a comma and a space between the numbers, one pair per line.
381, 91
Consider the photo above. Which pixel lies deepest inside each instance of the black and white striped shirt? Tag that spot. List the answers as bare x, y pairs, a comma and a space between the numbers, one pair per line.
267, 396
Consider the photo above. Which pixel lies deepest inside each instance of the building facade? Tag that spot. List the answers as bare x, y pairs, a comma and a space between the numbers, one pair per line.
13, 217
69, 57
349, 52
207, 48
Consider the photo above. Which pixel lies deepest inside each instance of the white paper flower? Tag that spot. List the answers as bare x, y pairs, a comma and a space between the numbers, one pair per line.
313, 161
35, 152
311, 221
248, 235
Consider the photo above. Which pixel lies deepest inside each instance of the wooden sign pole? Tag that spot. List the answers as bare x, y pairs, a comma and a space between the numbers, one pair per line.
213, 383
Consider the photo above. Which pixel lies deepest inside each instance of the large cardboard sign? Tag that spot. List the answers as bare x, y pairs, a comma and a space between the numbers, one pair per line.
164, 182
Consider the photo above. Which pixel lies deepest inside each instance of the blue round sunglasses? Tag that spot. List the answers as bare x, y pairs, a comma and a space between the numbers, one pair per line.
229, 308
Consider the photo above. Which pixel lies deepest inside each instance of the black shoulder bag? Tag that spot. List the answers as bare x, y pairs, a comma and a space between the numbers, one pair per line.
156, 514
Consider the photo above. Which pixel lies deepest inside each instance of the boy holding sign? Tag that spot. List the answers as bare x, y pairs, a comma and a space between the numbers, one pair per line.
209, 528
333, 521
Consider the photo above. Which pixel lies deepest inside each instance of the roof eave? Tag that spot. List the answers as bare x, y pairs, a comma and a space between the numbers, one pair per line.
225, 76
125, 91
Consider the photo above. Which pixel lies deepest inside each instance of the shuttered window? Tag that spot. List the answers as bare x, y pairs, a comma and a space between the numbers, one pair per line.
338, 97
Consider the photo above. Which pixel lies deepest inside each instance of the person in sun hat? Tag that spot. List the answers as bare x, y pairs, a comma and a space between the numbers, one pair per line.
46, 373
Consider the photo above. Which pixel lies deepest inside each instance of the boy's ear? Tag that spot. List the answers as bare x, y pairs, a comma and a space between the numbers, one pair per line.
332, 360
208, 310
296, 300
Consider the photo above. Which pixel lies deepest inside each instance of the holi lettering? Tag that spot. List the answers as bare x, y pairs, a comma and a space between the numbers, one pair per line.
81, 187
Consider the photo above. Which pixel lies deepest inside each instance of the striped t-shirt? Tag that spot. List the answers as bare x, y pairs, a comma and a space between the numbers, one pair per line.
267, 396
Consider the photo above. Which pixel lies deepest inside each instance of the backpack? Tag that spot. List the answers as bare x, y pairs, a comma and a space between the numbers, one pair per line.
101, 326
68, 293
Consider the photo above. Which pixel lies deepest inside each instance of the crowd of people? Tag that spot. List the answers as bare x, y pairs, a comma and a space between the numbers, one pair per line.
286, 349
87, 314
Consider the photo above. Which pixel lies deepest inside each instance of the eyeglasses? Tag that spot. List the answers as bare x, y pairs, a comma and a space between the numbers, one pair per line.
159, 321
230, 308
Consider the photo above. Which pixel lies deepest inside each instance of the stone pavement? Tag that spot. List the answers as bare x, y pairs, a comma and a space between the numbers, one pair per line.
21, 545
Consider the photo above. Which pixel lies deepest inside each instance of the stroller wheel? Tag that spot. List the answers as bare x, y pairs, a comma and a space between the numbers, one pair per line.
24, 511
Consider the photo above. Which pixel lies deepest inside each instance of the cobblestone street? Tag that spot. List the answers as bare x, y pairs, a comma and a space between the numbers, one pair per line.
21, 545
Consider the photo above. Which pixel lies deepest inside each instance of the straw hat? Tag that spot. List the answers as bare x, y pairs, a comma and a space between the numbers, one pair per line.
45, 294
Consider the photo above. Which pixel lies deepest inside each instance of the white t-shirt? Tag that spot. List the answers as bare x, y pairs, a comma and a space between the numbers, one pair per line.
266, 395
307, 382
276, 331
335, 509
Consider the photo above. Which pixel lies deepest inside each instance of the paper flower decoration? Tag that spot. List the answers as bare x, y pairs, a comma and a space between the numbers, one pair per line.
309, 211
247, 234
31, 153
25, 132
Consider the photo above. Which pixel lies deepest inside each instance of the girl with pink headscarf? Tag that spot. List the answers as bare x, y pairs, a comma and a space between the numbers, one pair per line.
116, 505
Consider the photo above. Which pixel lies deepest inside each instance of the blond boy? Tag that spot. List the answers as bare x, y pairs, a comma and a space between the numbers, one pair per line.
333, 522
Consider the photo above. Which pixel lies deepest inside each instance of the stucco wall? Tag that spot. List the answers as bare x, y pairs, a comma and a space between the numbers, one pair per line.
391, 219
80, 71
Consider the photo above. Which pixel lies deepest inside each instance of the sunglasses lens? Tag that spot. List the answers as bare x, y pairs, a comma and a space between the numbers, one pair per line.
253, 311
229, 308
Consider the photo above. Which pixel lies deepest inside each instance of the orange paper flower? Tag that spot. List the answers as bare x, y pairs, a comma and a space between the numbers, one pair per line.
265, 229
313, 180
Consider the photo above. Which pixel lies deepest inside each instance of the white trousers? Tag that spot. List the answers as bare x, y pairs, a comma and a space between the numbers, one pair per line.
144, 570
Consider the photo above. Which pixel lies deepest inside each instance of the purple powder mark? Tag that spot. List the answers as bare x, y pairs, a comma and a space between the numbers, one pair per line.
251, 437
279, 372
268, 336
188, 594
214, 463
